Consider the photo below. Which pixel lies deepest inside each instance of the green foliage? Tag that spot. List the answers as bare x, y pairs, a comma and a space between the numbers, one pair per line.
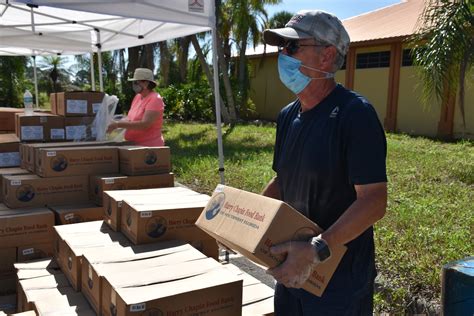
12, 81
429, 217
444, 48
279, 19
189, 101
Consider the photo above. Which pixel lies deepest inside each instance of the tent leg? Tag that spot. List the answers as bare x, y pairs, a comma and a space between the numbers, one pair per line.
99, 64
36, 82
218, 107
92, 72
99, 61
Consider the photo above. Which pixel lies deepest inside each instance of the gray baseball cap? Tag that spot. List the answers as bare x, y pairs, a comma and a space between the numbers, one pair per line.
322, 26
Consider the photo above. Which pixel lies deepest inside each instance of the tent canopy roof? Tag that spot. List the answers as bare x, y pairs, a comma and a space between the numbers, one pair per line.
52, 30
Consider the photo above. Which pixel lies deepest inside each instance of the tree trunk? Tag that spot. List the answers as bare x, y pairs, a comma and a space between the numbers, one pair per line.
148, 57
210, 79
183, 52
224, 68
165, 60
133, 59
243, 72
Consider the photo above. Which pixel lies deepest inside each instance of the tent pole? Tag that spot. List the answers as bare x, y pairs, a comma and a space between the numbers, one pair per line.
36, 82
218, 106
92, 72
99, 60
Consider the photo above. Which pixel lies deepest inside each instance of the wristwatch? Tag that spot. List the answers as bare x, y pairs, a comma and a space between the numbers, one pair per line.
321, 249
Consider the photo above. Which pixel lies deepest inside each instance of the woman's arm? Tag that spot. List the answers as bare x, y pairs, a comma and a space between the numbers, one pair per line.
149, 118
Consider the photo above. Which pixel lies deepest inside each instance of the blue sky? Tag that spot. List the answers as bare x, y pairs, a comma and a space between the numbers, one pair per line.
341, 8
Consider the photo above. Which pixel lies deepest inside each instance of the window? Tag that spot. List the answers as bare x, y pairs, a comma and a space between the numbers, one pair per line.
407, 57
373, 60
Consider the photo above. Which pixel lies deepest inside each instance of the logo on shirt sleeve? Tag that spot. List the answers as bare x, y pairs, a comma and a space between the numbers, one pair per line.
334, 112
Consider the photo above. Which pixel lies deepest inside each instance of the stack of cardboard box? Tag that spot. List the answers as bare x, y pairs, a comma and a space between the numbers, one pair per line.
166, 278
71, 118
54, 183
78, 110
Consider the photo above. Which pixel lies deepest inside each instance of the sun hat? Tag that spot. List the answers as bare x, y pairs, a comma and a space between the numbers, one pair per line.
142, 74
322, 26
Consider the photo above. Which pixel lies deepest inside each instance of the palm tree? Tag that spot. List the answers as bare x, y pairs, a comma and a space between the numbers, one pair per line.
444, 48
249, 19
279, 19
55, 67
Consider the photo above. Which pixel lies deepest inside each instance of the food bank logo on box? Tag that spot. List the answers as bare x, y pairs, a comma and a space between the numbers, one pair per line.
59, 163
156, 227
25, 193
150, 158
215, 205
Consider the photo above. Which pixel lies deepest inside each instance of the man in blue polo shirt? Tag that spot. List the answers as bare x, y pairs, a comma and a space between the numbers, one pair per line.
329, 161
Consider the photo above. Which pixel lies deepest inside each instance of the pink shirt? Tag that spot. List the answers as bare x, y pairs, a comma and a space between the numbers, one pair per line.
152, 135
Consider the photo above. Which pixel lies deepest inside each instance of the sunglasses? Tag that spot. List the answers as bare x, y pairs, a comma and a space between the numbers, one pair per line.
292, 47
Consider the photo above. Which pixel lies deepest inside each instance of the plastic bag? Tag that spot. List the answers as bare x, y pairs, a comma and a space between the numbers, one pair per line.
104, 116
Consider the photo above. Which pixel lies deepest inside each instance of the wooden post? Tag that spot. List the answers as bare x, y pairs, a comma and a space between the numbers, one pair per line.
350, 67
390, 122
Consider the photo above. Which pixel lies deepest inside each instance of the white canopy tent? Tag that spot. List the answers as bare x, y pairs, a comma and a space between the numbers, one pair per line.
62, 26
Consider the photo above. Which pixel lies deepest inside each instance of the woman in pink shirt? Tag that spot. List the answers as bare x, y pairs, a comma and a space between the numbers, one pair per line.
145, 118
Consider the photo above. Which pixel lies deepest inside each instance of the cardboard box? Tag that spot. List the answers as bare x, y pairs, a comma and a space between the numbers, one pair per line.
35, 251
9, 150
71, 161
199, 287
257, 298
27, 286
8, 304
39, 127
100, 183
171, 218
7, 118
78, 213
60, 301
78, 103
7, 172
30, 190
251, 223
53, 100
135, 161
7, 284
7, 260
30, 151
21, 227
110, 260
37, 268
79, 128
32, 270
72, 240
112, 201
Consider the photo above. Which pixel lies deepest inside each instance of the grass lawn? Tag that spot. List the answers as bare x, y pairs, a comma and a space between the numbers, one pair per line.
429, 221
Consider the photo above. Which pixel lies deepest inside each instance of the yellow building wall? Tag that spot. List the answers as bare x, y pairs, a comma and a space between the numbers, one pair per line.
412, 116
266, 90
269, 96
372, 83
458, 128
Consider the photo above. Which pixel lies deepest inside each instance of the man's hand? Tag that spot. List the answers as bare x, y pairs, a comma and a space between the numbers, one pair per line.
298, 265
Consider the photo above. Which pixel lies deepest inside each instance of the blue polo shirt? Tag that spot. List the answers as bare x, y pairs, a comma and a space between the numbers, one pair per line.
319, 156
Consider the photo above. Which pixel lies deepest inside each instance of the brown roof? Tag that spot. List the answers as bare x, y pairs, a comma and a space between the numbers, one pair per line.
398, 20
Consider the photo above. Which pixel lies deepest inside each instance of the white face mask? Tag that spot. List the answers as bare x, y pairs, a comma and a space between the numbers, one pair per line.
137, 88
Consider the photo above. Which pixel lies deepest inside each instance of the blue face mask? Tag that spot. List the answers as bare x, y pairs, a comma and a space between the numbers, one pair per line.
292, 77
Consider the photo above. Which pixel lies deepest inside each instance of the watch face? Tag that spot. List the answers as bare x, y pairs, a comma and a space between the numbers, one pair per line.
323, 253
322, 249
